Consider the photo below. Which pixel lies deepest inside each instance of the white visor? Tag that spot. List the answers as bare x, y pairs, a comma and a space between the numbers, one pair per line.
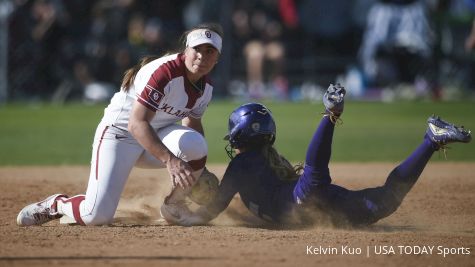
204, 36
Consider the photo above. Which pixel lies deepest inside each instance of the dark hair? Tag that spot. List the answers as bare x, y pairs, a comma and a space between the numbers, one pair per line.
280, 165
129, 75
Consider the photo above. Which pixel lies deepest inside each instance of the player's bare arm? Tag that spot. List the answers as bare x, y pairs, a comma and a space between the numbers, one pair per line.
194, 124
139, 126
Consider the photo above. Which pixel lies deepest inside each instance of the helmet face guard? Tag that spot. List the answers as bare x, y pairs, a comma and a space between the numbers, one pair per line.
251, 125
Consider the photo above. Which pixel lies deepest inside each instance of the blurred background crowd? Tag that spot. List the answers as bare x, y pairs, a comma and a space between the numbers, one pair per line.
289, 50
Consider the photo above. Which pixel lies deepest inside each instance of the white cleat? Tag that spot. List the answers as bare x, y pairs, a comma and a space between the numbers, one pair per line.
39, 213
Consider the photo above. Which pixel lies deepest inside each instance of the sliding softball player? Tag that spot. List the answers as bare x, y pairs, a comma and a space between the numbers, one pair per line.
275, 191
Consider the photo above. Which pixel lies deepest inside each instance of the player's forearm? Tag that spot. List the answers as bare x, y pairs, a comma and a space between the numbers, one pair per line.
194, 124
148, 139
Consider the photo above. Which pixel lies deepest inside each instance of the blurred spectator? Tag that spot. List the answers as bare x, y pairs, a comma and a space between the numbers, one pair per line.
398, 45
170, 14
470, 41
470, 48
58, 48
37, 28
328, 24
199, 11
258, 34
146, 36
323, 41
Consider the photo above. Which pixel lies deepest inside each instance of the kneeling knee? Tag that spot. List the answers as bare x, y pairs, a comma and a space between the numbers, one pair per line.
193, 146
185, 143
98, 219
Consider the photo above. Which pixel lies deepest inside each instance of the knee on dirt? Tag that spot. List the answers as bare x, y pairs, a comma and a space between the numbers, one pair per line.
99, 218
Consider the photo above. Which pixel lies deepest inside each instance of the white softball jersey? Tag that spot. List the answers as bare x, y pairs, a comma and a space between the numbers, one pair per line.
161, 86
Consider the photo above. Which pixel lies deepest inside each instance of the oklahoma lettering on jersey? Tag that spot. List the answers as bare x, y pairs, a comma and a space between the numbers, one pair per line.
162, 87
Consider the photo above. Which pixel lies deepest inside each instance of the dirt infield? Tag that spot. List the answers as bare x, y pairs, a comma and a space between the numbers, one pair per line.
437, 214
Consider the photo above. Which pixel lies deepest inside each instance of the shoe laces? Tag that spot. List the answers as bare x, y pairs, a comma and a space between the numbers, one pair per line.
441, 147
43, 216
334, 118
444, 149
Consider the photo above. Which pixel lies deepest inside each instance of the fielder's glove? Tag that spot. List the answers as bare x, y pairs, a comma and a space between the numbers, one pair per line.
205, 188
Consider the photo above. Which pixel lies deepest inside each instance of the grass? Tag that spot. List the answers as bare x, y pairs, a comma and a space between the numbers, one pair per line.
372, 131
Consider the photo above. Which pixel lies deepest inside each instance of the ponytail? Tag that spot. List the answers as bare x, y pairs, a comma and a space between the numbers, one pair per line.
129, 75
284, 170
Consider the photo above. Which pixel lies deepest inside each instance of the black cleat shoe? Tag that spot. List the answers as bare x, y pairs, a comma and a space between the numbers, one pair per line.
442, 133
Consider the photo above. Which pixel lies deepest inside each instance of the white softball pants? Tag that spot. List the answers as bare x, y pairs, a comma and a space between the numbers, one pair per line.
115, 152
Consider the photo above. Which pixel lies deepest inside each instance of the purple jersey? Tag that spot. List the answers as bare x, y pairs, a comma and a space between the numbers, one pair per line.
263, 193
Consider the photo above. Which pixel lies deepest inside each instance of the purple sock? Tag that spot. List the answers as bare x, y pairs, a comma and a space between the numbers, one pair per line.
404, 176
316, 170
319, 149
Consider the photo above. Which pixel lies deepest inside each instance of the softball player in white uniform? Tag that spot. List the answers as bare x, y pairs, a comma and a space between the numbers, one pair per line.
139, 129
